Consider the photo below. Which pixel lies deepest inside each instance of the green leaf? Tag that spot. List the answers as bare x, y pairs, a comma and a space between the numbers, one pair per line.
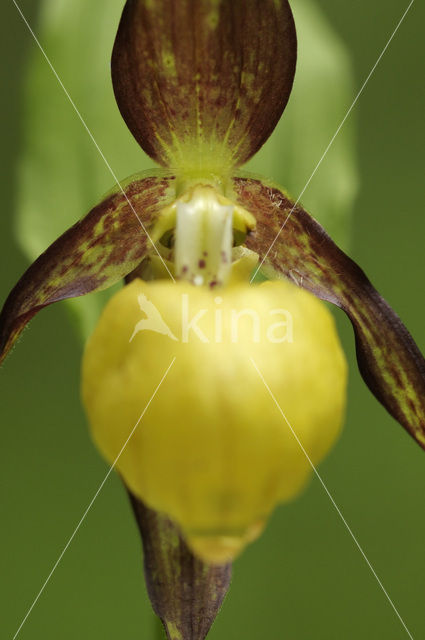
323, 92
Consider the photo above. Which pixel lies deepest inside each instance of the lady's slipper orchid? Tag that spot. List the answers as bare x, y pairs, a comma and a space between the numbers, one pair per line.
201, 85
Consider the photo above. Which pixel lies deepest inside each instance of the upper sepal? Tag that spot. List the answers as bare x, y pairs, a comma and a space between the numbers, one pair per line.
293, 244
201, 84
93, 254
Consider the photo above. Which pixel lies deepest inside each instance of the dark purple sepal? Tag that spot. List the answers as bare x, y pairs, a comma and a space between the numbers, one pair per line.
201, 84
186, 594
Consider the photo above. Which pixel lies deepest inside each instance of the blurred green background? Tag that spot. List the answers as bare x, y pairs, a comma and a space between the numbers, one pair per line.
304, 579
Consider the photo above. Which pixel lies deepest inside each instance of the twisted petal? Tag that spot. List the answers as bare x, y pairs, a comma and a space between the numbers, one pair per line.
202, 83
92, 255
297, 247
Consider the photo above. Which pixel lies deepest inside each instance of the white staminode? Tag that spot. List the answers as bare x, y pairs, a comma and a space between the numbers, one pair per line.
204, 237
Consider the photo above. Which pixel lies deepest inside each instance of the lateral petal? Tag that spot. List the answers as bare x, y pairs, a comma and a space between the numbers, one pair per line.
294, 245
92, 255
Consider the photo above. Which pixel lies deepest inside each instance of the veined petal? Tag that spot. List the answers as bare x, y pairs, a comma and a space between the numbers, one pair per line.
296, 246
201, 84
92, 255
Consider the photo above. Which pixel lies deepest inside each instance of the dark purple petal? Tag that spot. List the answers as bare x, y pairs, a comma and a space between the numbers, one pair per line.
92, 255
389, 360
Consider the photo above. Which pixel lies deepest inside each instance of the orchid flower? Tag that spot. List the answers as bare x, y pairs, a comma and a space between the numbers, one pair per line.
201, 85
